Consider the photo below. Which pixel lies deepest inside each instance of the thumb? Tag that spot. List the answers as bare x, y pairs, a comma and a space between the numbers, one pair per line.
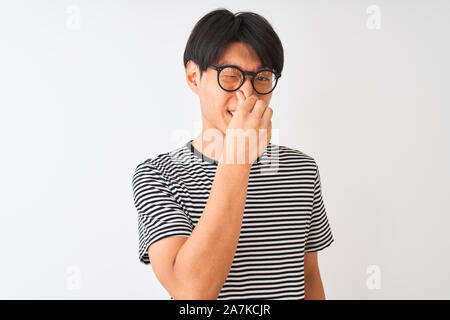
240, 97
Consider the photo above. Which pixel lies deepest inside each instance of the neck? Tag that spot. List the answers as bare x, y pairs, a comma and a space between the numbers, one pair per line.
210, 146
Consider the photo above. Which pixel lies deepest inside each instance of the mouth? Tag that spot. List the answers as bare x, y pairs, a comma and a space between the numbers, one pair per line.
230, 113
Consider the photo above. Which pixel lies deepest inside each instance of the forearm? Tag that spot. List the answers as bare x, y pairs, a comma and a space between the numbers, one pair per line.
314, 288
203, 262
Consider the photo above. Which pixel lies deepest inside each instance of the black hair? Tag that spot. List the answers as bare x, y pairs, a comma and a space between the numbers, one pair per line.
219, 27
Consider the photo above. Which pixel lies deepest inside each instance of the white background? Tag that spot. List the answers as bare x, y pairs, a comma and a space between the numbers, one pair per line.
86, 96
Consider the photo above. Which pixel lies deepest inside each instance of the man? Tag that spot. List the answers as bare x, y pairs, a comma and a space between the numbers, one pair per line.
215, 227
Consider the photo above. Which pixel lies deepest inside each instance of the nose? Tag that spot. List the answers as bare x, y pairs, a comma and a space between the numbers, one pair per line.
247, 88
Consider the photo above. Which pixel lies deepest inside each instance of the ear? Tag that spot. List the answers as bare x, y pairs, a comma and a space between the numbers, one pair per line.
193, 76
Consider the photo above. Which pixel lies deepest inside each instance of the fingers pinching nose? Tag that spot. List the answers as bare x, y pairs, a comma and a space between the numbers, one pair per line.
240, 96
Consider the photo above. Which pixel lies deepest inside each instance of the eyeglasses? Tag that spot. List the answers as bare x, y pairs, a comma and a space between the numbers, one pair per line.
231, 78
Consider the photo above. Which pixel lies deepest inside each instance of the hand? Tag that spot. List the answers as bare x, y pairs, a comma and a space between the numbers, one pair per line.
251, 127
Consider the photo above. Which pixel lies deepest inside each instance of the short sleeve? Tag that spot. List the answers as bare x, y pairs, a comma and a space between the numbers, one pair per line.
319, 232
159, 214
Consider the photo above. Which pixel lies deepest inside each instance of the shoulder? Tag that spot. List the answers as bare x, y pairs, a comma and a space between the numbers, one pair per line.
288, 155
162, 164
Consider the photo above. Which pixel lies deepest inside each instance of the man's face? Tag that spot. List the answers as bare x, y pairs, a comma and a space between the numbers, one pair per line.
215, 102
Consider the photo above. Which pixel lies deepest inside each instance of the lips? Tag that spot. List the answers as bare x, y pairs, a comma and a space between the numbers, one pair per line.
231, 112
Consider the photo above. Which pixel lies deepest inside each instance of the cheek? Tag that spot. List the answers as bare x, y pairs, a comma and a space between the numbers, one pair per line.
214, 106
267, 98
220, 102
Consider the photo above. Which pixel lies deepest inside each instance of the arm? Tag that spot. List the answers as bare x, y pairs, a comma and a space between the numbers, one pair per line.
206, 257
197, 267
313, 283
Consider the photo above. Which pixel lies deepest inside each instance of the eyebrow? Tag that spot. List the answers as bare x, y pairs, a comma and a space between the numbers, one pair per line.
229, 63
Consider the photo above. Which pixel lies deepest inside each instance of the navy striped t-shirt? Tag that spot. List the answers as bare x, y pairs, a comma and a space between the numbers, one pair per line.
284, 215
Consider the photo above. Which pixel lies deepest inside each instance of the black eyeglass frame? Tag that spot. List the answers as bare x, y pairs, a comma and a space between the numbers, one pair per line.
244, 73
